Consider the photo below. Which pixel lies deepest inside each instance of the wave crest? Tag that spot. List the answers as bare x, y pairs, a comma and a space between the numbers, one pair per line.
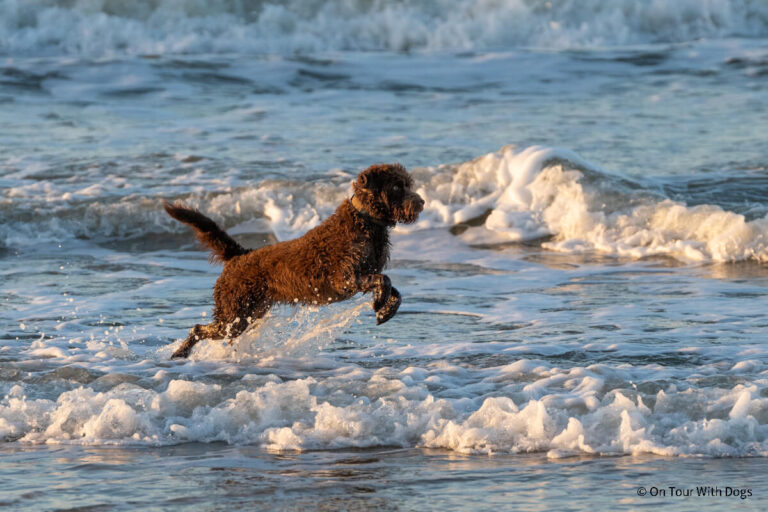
547, 192
107, 27
541, 194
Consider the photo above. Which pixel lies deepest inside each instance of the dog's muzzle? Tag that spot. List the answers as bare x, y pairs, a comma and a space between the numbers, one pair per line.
412, 207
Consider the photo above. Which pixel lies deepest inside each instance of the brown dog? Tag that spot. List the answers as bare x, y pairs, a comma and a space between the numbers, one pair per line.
332, 262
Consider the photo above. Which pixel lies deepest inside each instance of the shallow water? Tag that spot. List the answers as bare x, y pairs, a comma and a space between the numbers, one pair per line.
245, 478
583, 295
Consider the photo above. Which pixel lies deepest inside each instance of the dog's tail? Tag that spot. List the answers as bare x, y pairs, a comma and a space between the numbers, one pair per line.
212, 236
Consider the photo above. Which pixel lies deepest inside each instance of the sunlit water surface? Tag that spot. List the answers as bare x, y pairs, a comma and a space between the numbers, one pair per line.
601, 329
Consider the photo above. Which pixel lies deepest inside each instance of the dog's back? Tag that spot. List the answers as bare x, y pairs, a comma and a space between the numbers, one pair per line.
317, 268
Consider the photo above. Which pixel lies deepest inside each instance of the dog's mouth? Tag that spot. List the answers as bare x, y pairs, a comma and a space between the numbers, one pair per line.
410, 210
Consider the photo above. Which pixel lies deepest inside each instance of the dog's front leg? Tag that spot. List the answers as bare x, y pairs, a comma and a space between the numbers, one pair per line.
381, 287
386, 299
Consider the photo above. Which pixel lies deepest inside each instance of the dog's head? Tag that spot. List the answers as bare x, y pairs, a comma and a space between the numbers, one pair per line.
385, 192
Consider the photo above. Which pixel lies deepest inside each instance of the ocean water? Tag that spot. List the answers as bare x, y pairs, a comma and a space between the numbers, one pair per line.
583, 296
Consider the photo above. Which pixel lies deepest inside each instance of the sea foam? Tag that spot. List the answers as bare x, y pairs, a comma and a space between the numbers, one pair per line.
539, 192
540, 409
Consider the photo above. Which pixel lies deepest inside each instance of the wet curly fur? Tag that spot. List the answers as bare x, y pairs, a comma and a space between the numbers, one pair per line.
332, 262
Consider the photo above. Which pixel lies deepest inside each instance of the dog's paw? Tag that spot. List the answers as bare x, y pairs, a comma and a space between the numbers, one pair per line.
389, 309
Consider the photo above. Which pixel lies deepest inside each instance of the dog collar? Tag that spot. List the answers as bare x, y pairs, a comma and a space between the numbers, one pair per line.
358, 207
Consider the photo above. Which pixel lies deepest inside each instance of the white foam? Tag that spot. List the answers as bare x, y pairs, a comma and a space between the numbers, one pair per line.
104, 27
561, 412
540, 191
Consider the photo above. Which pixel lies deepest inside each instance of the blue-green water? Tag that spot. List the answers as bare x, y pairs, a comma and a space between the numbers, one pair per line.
601, 330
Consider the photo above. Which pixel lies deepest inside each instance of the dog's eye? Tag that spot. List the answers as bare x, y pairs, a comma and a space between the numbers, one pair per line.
396, 189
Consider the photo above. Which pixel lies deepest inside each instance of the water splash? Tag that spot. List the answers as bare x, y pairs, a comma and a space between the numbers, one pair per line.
286, 331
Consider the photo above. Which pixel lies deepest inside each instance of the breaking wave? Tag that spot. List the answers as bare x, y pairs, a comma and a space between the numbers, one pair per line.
542, 192
539, 194
109, 27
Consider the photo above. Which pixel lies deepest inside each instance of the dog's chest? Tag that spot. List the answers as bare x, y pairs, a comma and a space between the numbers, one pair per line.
374, 254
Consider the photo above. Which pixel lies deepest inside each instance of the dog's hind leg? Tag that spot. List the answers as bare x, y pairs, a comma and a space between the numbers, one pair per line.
386, 299
237, 327
212, 331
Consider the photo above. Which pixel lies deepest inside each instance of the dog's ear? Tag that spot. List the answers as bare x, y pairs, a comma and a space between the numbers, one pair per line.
369, 178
